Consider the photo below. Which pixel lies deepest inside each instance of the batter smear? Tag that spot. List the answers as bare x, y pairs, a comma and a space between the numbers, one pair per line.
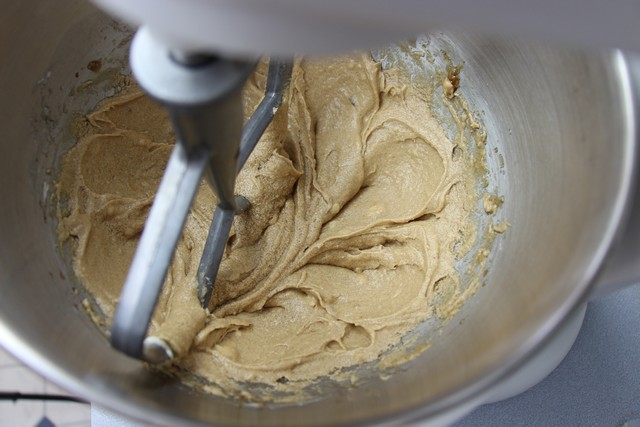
360, 207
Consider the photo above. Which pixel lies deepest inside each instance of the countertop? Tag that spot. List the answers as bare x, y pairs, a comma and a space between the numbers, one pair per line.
597, 384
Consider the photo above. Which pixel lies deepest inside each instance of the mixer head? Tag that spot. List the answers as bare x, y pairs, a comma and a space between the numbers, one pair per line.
285, 27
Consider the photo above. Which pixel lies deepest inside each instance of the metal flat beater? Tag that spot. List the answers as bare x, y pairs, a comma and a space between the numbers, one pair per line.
203, 96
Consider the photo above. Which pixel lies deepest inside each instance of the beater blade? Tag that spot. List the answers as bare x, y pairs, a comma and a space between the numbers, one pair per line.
277, 80
203, 96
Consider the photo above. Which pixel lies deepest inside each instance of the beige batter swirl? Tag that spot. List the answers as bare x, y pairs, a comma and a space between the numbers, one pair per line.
357, 204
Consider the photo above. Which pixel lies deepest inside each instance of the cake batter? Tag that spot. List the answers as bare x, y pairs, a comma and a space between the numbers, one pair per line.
360, 207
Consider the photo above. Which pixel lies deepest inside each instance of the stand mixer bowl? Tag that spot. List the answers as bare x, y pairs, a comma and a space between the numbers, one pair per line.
564, 122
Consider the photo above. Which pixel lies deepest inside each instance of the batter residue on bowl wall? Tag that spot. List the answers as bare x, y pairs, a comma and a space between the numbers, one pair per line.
361, 206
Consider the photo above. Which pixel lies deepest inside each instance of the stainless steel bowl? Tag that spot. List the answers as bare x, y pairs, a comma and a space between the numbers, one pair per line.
565, 122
